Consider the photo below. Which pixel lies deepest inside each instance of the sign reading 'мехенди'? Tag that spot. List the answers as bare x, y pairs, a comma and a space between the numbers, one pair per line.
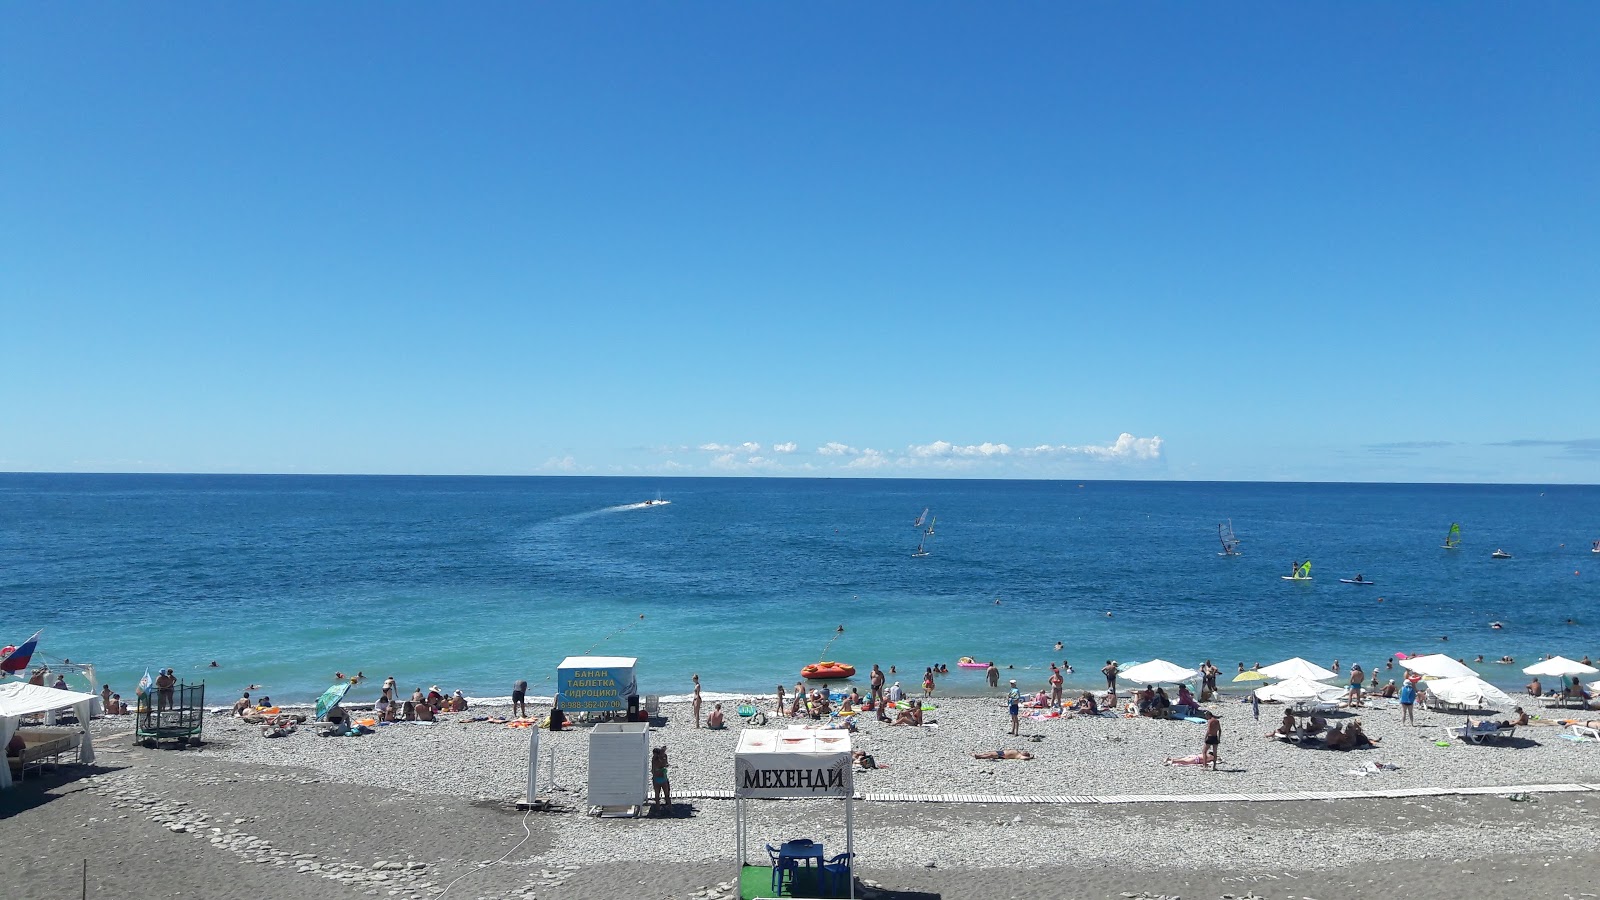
782, 775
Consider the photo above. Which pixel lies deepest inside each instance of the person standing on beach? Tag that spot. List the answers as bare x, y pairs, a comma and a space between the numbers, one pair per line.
658, 777
1056, 681
994, 674
927, 683
1110, 671
392, 686
1213, 740
164, 684
519, 697
1015, 708
779, 713
695, 703
1356, 678
1408, 698
876, 683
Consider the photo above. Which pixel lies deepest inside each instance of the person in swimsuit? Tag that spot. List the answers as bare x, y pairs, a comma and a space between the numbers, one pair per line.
658, 777
519, 698
695, 703
1213, 739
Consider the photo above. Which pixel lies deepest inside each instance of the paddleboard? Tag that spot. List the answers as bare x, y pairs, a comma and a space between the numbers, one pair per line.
1293, 578
1353, 581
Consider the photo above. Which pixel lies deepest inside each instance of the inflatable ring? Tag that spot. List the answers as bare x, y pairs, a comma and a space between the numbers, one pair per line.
827, 669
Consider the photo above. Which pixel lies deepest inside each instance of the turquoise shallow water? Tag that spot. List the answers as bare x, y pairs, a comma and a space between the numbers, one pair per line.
473, 582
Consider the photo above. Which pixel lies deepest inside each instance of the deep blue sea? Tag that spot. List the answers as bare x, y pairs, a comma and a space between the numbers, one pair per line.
473, 582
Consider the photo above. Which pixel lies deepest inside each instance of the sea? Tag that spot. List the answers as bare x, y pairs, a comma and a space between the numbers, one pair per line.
473, 582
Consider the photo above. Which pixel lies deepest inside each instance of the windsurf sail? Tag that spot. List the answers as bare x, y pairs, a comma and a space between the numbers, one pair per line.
1304, 571
922, 545
17, 660
1452, 540
920, 519
1230, 541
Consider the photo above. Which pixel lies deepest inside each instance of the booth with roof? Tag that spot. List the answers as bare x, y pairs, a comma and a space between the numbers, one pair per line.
794, 764
19, 700
595, 685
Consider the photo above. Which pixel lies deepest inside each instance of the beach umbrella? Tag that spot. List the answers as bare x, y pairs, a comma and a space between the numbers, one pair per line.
329, 699
1298, 668
1300, 690
1249, 675
1560, 667
1156, 670
1437, 665
1467, 690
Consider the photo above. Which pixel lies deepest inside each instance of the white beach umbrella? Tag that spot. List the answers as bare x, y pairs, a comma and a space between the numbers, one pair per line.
1468, 690
1298, 668
1300, 690
1437, 665
1156, 671
1559, 667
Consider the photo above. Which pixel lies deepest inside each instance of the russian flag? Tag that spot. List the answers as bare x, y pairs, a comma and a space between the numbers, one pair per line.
18, 659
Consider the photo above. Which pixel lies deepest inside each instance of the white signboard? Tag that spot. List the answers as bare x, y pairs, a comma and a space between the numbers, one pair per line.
793, 764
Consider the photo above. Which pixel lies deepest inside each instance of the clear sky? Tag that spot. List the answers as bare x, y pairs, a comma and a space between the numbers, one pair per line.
1318, 241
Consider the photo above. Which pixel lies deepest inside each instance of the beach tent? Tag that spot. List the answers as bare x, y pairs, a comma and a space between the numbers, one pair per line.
18, 699
1437, 665
793, 764
1467, 690
1156, 671
1300, 690
596, 684
1298, 668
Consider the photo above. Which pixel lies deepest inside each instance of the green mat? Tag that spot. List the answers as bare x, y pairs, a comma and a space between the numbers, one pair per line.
756, 881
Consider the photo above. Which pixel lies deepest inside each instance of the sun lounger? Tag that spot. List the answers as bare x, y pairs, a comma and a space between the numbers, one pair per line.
1479, 733
1584, 732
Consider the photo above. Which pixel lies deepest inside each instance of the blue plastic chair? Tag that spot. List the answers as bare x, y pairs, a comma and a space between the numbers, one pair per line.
782, 870
835, 875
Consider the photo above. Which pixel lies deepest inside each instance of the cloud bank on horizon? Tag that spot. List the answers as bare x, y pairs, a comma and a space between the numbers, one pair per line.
940, 456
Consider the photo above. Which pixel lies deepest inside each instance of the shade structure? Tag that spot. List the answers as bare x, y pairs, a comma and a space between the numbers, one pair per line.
1437, 665
330, 698
1468, 690
1300, 690
1298, 668
18, 699
1249, 675
1156, 670
793, 764
1559, 667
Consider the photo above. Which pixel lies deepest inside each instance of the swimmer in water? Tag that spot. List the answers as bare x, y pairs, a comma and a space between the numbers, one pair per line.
214, 665
1058, 646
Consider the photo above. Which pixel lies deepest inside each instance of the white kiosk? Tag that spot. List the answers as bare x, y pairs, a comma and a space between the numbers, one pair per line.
793, 764
595, 684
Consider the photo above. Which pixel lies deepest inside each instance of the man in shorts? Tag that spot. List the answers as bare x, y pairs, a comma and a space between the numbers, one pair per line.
519, 694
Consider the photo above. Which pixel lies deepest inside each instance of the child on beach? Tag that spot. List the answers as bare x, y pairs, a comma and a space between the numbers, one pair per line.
658, 777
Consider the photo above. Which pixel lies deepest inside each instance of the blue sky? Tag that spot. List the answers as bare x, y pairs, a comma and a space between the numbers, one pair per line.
1351, 241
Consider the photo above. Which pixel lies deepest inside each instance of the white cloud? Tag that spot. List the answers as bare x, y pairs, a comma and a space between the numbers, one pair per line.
785, 447
746, 447
945, 449
834, 448
869, 459
1126, 448
560, 464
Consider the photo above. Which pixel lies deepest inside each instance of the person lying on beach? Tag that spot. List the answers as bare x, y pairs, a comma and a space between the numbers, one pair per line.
1349, 737
1002, 754
866, 760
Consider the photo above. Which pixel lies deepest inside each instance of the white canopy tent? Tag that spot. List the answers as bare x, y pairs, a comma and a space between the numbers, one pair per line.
1437, 665
1300, 690
793, 764
1559, 667
18, 699
1298, 668
1157, 671
1467, 690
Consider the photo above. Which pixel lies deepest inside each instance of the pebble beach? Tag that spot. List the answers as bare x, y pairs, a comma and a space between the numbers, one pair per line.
417, 811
